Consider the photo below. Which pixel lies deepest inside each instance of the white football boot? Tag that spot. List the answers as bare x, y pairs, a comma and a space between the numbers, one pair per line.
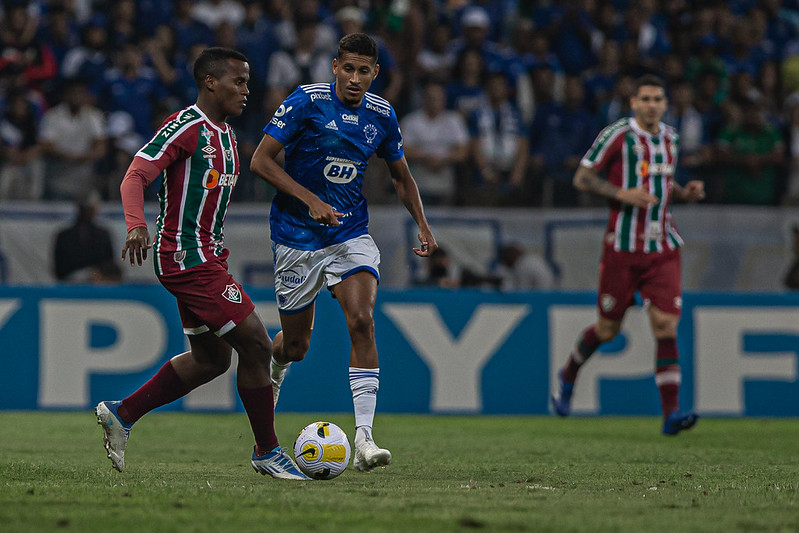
368, 455
115, 432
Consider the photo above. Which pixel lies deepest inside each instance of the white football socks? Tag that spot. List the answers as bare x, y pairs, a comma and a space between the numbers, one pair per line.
364, 383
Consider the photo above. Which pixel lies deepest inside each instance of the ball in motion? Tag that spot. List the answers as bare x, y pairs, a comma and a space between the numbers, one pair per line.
322, 450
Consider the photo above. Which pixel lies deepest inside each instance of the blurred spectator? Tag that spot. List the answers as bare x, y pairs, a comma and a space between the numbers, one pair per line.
695, 149
18, 45
532, 53
499, 147
619, 105
559, 136
476, 23
122, 26
520, 270
650, 42
73, 138
466, 93
188, 30
440, 271
302, 65
435, 143
791, 280
89, 61
779, 29
744, 55
83, 251
388, 82
600, 80
59, 32
133, 87
791, 138
212, 13
21, 167
433, 62
256, 39
569, 27
752, 153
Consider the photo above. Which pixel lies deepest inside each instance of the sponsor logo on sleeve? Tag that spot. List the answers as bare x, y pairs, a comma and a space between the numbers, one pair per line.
378, 109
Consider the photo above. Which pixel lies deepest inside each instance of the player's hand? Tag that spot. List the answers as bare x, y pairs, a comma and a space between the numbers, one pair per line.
428, 243
324, 214
639, 197
693, 191
137, 244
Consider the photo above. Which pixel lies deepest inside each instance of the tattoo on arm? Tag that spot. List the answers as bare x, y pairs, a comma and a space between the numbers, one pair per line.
591, 182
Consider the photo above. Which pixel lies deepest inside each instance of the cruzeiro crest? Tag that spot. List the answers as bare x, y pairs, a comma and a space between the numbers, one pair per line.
370, 130
232, 293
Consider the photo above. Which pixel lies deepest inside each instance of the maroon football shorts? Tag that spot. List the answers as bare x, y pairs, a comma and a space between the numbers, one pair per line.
655, 275
209, 299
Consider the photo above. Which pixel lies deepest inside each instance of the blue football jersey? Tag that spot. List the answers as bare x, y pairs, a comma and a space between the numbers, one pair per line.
328, 145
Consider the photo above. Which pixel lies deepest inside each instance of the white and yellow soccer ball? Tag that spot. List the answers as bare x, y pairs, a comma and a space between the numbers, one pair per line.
322, 450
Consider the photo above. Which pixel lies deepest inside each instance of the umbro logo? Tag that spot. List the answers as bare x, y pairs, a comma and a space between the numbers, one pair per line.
331, 125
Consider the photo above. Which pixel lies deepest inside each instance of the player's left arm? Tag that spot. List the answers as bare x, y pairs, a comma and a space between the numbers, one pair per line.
693, 191
408, 194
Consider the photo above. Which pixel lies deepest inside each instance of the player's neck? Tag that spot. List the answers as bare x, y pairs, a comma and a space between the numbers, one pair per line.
651, 129
209, 110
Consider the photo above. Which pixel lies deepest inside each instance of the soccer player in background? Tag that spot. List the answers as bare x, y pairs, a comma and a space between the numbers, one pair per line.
319, 219
196, 154
641, 248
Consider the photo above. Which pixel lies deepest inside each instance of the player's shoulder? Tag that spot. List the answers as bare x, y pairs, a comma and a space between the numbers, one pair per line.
377, 105
614, 129
314, 91
179, 121
670, 131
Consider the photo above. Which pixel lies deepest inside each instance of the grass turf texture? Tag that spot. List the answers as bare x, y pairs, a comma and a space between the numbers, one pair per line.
191, 472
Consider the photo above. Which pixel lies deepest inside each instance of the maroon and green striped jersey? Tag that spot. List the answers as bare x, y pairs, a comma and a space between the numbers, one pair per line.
632, 158
199, 165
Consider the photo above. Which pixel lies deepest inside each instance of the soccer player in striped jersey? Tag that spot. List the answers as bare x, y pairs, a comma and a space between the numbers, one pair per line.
641, 249
319, 219
195, 153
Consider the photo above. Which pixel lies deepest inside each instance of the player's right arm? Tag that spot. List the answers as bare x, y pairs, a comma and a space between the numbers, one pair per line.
588, 180
263, 164
140, 173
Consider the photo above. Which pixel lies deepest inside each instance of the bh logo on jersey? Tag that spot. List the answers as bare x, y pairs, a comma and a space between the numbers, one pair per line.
339, 172
213, 179
232, 294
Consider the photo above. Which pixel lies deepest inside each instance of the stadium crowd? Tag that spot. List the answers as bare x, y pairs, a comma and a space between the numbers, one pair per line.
498, 99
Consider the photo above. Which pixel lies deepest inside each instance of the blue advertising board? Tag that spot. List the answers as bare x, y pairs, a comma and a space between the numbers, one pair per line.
68, 347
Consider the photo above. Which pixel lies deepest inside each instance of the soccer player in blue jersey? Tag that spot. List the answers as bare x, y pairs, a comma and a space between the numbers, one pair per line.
319, 220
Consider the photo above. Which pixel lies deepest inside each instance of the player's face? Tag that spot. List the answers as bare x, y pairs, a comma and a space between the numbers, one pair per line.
354, 74
230, 90
649, 104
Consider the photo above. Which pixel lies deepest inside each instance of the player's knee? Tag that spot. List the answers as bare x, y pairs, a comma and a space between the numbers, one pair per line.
295, 350
361, 324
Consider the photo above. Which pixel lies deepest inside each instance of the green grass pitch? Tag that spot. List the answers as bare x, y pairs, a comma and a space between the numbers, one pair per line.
191, 472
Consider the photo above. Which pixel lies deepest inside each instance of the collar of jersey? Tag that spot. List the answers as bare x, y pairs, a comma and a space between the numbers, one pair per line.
213, 124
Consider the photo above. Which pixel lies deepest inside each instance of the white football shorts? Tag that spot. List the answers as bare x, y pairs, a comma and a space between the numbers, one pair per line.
301, 274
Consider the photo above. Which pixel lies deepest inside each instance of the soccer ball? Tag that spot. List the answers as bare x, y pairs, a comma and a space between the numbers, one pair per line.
322, 450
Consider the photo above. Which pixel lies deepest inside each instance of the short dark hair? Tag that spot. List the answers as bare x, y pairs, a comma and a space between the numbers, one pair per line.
649, 80
213, 61
358, 43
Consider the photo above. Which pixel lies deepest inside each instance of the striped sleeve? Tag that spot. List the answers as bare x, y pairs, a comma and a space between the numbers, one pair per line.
600, 153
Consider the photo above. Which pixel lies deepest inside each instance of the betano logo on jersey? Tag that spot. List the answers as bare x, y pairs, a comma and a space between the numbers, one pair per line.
213, 179
644, 169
